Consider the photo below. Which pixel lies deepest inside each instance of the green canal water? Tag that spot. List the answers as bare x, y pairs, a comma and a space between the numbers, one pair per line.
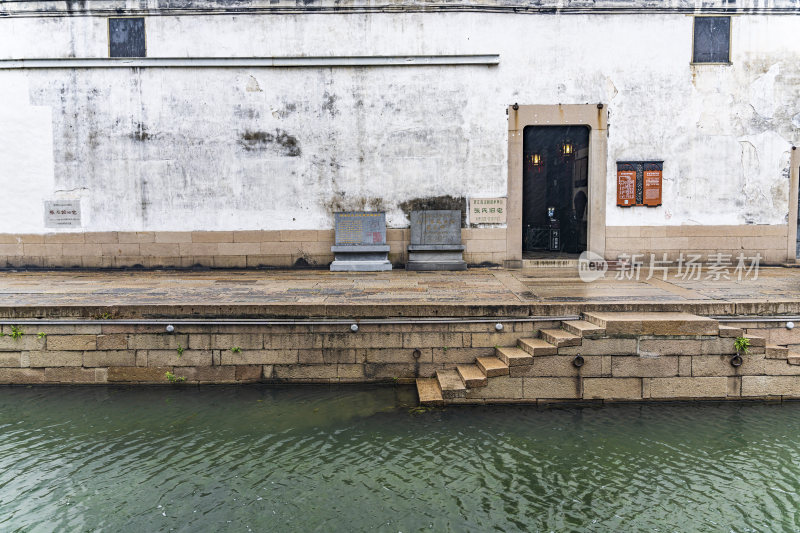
355, 459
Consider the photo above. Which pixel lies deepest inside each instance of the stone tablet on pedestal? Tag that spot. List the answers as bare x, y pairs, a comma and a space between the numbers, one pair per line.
436, 241
360, 242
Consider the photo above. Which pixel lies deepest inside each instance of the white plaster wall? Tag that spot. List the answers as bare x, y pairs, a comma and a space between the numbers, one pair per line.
26, 156
261, 148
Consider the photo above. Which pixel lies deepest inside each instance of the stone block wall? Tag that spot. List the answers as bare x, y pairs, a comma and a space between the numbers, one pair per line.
215, 249
643, 368
621, 368
768, 240
113, 353
628, 367
302, 248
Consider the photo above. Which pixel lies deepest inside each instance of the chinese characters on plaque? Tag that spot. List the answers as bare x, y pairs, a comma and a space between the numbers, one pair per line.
360, 244
487, 210
62, 214
360, 228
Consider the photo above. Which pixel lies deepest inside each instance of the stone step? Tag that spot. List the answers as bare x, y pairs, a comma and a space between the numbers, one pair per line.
624, 323
472, 376
514, 356
560, 337
537, 347
793, 359
492, 366
450, 383
776, 352
730, 331
429, 392
582, 328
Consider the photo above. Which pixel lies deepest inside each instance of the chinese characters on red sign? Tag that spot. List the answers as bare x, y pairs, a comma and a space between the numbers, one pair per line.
626, 187
639, 183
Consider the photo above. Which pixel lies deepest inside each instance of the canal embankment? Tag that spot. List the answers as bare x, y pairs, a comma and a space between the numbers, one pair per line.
476, 337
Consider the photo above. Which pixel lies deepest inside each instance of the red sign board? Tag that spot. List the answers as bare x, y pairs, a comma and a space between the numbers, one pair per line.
626, 188
652, 188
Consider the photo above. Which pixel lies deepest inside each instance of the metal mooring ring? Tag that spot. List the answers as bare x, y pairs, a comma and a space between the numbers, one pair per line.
578, 361
737, 361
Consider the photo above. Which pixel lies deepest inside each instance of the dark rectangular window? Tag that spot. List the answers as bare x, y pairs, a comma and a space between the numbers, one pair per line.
712, 38
126, 37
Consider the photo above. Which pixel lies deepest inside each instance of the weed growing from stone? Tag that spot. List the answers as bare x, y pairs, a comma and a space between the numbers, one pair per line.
41, 335
16, 332
172, 378
236, 349
742, 344
180, 351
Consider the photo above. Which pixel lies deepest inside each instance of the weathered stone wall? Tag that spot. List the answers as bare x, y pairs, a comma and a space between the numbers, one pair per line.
644, 368
632, 367
624, 368
109, 353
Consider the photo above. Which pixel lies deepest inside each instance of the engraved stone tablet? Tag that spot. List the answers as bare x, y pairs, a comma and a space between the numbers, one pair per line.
62, 214
436, 241
436, 227
360, 242
360, 228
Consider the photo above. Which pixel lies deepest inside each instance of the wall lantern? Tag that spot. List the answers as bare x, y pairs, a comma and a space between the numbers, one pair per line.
534, 160
567, 148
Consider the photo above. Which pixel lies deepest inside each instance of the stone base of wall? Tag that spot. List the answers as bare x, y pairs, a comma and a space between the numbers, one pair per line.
215, 249
769, 241
311, 248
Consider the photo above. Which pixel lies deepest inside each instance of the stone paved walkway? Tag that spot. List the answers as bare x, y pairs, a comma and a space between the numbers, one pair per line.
474, 287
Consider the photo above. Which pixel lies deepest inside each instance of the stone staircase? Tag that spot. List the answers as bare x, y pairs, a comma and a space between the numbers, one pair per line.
611, 355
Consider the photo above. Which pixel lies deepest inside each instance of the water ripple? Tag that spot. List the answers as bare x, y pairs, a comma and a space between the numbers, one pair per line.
350, 459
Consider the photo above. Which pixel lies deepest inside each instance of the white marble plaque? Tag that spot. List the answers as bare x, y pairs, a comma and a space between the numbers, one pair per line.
487, 210
62, 214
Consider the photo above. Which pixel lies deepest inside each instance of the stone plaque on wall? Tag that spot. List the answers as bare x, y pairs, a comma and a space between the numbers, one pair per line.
487, 210
436, 227
62, 214
436, 241
360, 228
360, 244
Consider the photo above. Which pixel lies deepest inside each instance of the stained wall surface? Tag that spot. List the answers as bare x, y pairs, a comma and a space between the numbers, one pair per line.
246, 148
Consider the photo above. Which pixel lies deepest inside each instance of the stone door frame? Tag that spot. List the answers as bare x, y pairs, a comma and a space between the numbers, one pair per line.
794, 177
595, 116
